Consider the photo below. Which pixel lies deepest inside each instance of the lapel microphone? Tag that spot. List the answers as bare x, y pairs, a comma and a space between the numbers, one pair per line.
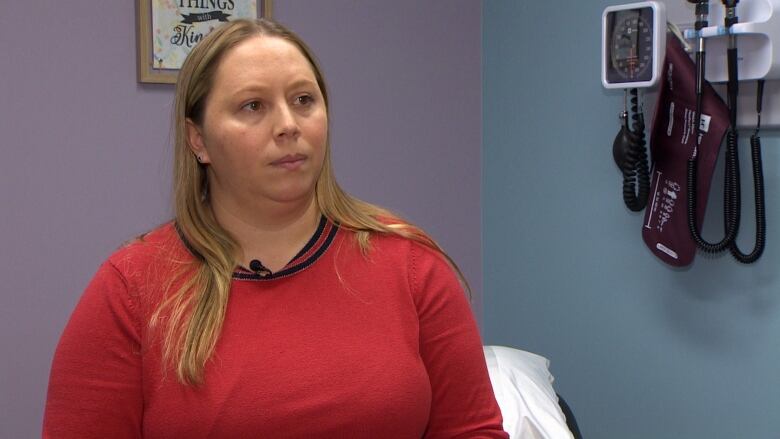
259, 269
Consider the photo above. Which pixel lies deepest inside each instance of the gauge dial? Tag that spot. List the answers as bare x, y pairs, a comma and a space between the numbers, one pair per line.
630, 46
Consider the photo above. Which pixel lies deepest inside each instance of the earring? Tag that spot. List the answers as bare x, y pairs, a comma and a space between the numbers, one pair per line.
200, 158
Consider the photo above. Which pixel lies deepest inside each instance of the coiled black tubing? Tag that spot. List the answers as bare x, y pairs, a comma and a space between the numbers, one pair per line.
636, 175
731, 191
732, 218
758, 194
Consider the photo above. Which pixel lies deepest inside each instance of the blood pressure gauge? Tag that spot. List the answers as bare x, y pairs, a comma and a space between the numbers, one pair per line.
633, 40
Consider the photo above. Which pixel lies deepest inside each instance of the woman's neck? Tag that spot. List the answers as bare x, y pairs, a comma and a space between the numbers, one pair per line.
271, 234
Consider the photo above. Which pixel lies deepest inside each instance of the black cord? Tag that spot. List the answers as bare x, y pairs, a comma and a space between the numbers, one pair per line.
702, 11
758, 193
636, 173
728, 194
732, 203
733, 211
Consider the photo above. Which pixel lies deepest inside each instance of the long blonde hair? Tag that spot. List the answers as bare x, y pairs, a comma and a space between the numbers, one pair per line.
197, 308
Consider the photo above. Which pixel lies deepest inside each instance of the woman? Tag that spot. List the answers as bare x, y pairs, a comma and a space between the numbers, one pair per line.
275, 305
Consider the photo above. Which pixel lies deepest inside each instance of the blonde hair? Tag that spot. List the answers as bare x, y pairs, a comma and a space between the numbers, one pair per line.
197, 308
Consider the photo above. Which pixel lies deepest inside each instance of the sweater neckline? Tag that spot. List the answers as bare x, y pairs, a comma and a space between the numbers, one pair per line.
314, 248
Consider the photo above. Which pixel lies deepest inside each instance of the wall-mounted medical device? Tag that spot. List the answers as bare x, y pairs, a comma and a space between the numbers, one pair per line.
724, 41
633, 38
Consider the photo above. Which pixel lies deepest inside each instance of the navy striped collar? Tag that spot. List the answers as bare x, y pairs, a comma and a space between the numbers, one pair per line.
316, 247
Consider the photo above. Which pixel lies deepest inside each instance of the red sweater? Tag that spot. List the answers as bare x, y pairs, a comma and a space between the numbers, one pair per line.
336, 345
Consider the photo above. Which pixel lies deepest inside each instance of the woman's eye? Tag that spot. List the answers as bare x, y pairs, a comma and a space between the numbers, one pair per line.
252, 106
304, 100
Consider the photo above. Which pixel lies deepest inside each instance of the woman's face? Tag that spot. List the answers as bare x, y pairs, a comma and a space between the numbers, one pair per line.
264, 125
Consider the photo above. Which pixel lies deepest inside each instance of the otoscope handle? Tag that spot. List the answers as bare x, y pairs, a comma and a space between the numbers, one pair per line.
702, 11
731, 12
760, 94
732, 87
700, 58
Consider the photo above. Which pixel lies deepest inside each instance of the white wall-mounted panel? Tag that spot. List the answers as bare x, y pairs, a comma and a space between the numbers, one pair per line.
758, 42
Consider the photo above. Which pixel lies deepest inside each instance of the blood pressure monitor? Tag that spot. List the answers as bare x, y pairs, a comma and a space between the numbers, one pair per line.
633, 40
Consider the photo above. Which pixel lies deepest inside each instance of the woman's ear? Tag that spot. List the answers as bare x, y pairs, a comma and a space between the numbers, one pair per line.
195, 141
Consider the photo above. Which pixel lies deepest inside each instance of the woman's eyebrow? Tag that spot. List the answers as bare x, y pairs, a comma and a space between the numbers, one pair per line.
261, 87
250, 88
302, 82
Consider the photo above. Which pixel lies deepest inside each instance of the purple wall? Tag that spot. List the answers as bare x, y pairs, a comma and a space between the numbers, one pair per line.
85, 155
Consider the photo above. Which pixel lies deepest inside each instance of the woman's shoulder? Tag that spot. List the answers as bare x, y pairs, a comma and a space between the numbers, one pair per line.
407, 238
155, 248
136, 273
431, 278
407, 251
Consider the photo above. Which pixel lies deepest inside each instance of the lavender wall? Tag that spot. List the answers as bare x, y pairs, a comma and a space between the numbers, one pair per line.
85, 158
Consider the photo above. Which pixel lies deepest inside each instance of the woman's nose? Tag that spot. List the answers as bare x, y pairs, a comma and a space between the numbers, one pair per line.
286, 123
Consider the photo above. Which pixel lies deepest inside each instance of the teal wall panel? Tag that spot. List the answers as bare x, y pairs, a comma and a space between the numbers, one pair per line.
639, 349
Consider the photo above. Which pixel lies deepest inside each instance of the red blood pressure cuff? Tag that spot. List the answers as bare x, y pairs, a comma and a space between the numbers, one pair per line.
665, 228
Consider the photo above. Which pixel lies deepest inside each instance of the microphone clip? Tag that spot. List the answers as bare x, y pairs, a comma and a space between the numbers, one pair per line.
261, 270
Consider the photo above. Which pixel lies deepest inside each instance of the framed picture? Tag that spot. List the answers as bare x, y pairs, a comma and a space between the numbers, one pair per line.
168, 29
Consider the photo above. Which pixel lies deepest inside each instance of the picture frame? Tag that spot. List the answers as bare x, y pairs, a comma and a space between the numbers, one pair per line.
167, 30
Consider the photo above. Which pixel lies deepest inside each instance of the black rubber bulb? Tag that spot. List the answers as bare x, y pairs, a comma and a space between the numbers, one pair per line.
623, 145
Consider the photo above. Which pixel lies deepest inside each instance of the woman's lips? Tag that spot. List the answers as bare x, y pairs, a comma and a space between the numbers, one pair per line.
292, 161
